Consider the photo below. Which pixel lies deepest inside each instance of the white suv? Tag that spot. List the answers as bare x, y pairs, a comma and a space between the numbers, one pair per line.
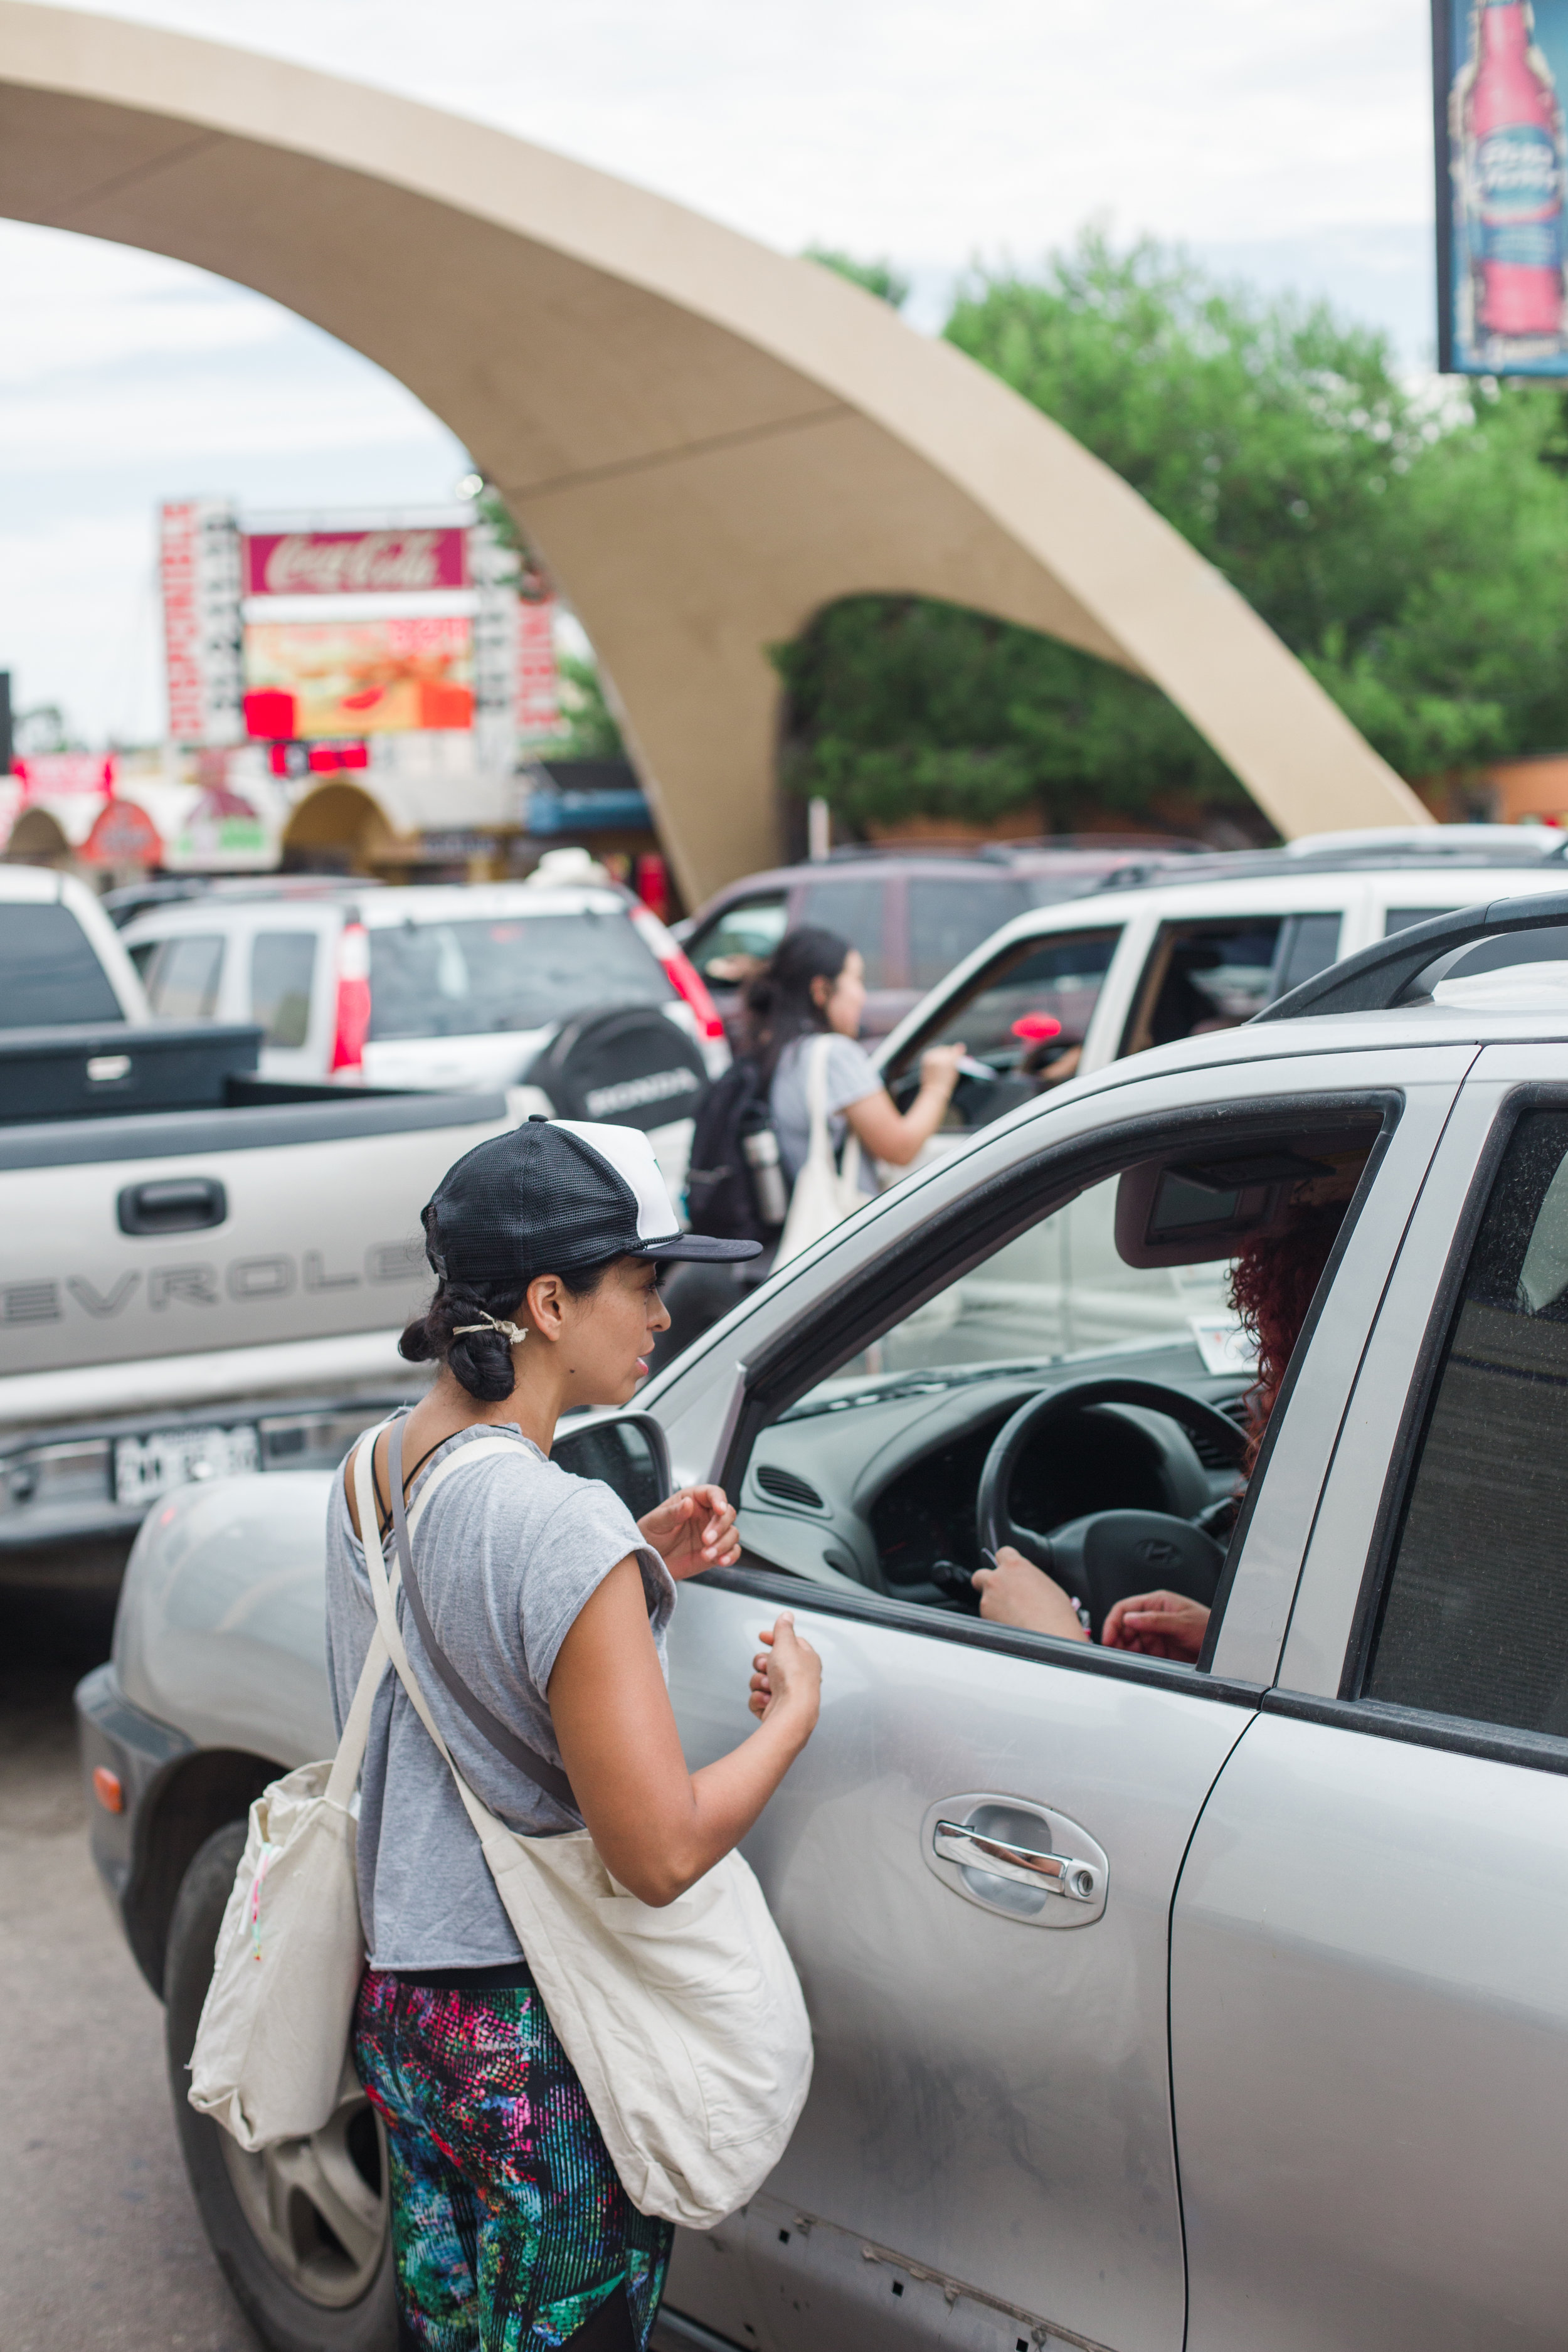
1160, 955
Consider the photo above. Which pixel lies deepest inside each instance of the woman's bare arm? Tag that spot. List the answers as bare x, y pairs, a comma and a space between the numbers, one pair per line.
896, 1136
658, 1826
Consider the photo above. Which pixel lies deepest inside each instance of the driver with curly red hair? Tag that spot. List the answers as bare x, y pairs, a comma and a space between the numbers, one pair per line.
1273, 1282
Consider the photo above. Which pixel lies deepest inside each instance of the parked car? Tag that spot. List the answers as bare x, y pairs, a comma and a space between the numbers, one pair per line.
201, 1269
61, 959
1169, 951
913, 914
1156, 2004
443, 986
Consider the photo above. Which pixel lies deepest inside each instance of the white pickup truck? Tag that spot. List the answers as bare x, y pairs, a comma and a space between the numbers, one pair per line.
202, 1270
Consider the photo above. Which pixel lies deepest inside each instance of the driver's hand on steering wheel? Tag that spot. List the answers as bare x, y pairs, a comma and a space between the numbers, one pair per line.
1160, 1625
1016, 1593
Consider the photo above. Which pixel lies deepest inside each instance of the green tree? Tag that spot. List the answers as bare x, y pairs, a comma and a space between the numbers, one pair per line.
1410, 545
588, 730
879, 278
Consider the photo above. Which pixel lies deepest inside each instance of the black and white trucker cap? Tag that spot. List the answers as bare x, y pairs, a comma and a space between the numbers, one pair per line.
555, 1194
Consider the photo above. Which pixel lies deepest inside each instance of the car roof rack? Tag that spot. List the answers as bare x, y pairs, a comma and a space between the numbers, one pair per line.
1405, 969
1508, 849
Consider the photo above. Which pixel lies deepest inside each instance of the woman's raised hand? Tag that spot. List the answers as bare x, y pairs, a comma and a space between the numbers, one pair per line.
786, 1677
692, 1529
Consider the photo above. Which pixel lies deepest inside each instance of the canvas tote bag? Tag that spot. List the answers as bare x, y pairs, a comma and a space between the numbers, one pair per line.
272, 2043
686, 2024
824, 1195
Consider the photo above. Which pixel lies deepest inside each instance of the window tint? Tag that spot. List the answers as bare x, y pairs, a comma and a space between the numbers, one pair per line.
1399, 919
1311, 944
1475, 1618
282, 970
948, 919
48, 972
728, 951
182, 978
1060, 981
468, 979
851, 905
1202, 977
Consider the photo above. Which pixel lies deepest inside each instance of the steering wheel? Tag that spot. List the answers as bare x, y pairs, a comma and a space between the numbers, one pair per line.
1107, 1555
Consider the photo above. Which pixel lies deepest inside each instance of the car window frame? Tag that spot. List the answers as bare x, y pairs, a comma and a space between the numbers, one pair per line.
1348, 1708
1014, 952
1410, 1441
955, 1239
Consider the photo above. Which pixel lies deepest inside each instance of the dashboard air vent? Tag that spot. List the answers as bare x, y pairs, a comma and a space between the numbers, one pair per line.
788, 1487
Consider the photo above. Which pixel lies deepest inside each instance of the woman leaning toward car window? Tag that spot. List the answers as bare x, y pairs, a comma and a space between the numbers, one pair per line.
815, 985
510, 2223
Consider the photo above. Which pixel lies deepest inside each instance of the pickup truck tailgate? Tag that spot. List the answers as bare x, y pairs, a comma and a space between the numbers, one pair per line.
125, 1239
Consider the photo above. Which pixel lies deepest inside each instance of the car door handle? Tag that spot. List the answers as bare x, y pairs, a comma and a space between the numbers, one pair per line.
1056, 1874
172, 1204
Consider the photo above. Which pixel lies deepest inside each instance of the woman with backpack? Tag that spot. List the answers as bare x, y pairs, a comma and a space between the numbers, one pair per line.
814, 989
536, 1633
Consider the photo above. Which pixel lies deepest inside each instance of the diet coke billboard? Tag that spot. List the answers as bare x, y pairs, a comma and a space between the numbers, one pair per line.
354, 562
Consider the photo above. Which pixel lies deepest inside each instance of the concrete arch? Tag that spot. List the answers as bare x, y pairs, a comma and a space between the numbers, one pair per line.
706, 440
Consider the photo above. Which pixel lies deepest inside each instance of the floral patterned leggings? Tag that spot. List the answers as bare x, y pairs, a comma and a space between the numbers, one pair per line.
510, 2230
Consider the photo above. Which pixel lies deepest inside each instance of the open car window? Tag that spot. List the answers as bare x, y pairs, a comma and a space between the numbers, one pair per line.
880, 1471
1035, 992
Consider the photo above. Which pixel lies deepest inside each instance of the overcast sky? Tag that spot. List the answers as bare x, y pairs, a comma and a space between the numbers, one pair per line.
1287, 142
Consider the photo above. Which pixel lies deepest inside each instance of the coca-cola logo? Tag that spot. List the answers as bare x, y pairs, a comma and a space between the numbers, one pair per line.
357, 563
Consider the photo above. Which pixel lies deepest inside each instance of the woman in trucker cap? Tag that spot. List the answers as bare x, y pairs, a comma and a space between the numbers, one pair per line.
510, 2224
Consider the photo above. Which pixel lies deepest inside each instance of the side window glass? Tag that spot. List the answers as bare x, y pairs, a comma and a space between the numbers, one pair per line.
49, 972
1311, 943
1201, 977
182, 981
851, 905
728, 949
1004, 1017
141, 956
948, 919
282, 969
1475, 1612
889, 1469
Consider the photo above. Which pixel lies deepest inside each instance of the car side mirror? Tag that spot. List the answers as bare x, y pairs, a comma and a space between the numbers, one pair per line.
628, 1451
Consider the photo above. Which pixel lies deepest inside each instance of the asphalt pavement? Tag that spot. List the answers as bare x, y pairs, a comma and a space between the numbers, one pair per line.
100, 2249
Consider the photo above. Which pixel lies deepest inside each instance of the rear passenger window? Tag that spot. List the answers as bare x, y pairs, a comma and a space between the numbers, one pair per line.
948, 919
1201, 977
48, 972
1058, 980
851, 905
183, 977
1475, 1615
282, 970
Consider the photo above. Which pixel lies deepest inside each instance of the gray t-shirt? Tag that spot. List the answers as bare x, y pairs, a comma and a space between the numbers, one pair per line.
851, 1077
506, 1556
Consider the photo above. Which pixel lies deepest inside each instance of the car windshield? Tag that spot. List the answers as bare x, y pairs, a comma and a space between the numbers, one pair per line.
508, 972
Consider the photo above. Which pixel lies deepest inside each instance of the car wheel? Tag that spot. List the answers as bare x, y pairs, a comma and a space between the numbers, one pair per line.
300, 2229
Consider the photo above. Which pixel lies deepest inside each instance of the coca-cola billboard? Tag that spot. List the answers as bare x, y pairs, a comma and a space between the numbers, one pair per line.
1501, 71
355, 562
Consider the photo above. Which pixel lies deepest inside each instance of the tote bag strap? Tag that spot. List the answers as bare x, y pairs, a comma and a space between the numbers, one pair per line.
846, 1175
389, 1635
527, 1761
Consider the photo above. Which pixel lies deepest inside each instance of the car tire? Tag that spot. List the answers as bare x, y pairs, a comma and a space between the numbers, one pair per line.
300, 2231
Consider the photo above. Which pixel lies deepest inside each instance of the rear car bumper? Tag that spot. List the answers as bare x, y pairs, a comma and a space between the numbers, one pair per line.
101, 1478
136, 1752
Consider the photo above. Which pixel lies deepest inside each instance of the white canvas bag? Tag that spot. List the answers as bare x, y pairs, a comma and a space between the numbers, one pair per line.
686, 2024
272, 2041
825, 1193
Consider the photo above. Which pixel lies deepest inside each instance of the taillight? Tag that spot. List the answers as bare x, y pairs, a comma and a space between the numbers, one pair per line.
681, 971
353, 998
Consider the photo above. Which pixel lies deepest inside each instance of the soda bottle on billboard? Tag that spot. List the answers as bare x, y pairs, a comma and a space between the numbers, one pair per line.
1514, 129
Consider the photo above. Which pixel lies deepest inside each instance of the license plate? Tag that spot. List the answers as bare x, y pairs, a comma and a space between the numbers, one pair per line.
146, 1468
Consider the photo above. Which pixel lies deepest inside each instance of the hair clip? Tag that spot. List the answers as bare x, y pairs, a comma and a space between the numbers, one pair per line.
508, 1330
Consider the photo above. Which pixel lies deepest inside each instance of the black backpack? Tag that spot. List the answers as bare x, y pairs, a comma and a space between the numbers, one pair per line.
720, 1195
